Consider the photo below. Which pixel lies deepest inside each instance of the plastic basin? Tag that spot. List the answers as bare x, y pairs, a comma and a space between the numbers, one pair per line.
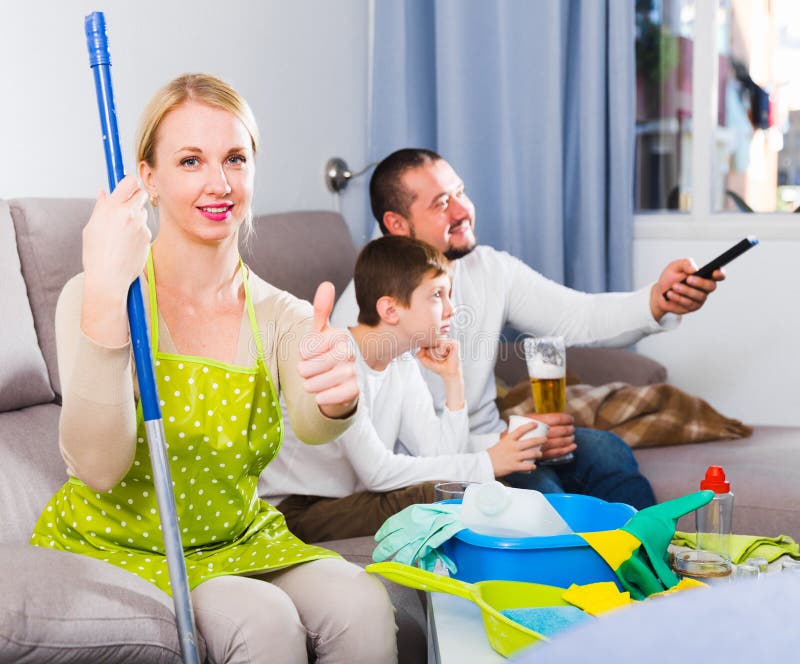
560, 560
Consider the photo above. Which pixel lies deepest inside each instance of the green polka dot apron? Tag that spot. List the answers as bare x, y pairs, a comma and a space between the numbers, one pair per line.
222, 424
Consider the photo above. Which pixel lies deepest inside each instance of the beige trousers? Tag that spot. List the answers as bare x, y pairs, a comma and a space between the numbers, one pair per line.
344, 612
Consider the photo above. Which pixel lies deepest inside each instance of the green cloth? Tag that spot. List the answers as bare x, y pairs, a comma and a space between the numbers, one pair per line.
414, 535
749, 546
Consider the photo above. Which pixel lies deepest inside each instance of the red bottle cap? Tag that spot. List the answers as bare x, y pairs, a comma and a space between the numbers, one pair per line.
715, 480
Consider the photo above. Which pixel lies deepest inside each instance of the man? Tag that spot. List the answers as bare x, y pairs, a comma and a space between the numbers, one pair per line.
414, 192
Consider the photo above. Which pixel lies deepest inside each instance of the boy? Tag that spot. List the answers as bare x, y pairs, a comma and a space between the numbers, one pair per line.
349, 487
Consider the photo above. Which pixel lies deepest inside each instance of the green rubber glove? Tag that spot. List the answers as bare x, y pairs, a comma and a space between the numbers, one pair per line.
655, 526
413, 535
637, 552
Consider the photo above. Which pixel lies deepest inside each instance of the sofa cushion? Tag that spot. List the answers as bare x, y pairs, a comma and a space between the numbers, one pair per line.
296, 251
31, 470
49, 233
62, 607
23, 374
49, 241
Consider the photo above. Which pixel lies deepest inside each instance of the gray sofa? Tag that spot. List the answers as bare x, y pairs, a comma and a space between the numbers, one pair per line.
58, 606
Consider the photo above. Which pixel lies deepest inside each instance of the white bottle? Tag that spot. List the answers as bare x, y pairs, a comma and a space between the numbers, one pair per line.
714, 520
493, 509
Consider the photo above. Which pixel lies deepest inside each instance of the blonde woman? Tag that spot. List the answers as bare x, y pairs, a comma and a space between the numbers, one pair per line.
225, 344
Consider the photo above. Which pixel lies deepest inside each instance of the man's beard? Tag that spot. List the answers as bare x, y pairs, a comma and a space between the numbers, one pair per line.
455, 253
452, 253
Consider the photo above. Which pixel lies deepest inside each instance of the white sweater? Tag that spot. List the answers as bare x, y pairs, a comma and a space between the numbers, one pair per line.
395, 404
492, 289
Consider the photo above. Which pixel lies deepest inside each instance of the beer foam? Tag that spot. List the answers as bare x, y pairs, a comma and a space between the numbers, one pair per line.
545, 370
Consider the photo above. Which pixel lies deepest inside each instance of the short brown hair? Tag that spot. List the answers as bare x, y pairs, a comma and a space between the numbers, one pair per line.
393, 266
386, 191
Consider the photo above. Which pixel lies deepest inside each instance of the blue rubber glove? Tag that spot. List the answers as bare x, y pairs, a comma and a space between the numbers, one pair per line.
413, 535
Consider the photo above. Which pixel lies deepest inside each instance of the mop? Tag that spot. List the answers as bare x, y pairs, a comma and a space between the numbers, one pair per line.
100, 62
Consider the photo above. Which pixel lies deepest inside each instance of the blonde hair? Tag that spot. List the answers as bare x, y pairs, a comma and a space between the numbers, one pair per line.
203, 88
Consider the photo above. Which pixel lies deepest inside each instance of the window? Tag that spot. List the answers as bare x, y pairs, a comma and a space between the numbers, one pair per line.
717, 106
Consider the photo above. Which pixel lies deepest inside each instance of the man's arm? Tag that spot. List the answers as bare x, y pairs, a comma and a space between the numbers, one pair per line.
539, 306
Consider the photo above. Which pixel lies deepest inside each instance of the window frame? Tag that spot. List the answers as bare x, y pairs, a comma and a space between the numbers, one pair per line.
700, 221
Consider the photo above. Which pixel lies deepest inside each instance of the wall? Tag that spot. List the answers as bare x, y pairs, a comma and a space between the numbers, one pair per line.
302, 65
739, 351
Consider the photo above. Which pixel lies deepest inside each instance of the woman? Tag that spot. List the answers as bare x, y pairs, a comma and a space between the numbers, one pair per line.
225, 343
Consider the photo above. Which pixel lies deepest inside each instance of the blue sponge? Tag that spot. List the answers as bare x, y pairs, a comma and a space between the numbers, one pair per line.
548, 620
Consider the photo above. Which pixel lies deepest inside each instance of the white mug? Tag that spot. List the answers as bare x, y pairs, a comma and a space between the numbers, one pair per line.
515, 421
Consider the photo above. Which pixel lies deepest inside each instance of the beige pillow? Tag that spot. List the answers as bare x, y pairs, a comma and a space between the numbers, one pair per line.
23, 374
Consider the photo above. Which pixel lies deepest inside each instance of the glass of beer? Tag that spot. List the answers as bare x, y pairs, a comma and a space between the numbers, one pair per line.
546, 358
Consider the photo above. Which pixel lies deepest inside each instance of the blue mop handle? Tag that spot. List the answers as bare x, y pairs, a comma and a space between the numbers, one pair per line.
100, 62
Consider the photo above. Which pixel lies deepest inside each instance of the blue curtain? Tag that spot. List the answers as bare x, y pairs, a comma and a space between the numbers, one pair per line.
532, 102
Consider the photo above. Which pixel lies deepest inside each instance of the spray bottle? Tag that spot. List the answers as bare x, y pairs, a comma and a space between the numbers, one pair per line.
715, 520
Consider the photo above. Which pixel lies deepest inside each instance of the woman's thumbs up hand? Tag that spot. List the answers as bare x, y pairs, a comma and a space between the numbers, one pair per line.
327, 361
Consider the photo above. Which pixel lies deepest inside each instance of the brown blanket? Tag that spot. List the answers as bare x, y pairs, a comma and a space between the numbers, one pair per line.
642, 415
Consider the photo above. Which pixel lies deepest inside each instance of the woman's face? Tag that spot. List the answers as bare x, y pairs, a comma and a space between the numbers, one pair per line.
203, 173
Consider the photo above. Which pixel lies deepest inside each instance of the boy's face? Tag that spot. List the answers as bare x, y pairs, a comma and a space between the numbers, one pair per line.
427, 315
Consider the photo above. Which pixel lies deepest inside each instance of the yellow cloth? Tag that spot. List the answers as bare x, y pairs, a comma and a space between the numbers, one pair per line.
749, 546
597, 598
684, 584
615, 546
604, 596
